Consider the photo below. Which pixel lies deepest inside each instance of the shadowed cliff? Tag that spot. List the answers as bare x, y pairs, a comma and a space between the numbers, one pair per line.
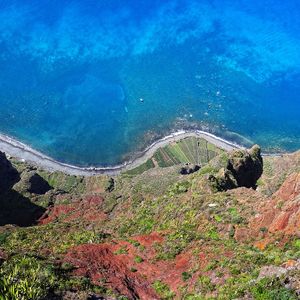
15, 208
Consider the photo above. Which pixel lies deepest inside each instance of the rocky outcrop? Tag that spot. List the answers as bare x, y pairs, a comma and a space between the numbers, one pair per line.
26, 181
271, 271
278, 215
15, 207
189, 169
246, 166
290, 189
282, 212
243, 169
33, 183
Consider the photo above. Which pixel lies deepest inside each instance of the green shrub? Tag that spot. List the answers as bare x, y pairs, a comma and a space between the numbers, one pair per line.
218, 218
186, 276
3, 237
205, 284
179, 188
138, 259
121, 250
297, 244
163, 290
25, 279
271, 289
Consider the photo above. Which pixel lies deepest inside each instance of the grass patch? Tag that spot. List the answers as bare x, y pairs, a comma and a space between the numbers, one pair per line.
141, 169
163, 290
138, 259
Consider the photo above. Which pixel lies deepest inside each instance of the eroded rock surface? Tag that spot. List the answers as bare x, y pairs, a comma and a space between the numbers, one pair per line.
32, 182
98, 262
243, 169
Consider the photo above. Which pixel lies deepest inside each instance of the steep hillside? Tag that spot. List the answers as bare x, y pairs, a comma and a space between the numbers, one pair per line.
229, 230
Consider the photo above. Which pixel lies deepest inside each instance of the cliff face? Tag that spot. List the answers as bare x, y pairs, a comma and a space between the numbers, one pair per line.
243, 169
281, 213
17, 190
227, 231
8, 175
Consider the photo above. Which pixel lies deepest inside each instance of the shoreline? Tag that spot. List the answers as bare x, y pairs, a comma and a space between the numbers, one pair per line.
25, 153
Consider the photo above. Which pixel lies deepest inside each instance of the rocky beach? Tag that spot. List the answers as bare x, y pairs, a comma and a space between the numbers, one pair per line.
24, 153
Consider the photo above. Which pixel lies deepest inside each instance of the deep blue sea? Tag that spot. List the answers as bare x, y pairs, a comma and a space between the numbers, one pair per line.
90, 81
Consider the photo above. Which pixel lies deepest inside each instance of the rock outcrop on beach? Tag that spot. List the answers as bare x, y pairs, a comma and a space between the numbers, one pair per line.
230, 230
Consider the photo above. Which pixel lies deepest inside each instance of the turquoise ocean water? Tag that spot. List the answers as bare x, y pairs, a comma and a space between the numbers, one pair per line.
73, 73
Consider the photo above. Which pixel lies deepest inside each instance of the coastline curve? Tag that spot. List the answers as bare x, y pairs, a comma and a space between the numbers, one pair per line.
23, 152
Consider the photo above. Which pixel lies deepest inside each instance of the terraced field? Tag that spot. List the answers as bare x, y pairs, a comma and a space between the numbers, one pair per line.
190, 150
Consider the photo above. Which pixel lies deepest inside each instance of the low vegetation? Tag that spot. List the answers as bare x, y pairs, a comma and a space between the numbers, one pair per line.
191, 150
153, 231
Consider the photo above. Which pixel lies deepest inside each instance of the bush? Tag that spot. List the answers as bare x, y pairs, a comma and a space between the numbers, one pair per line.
186, 276
138, 259
179, 188
163, 290
3, 237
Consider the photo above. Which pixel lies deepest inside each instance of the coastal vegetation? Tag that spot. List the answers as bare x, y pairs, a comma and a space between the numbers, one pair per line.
154, 233
190, 150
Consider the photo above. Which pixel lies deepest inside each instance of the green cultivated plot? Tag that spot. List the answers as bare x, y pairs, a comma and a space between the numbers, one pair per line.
142, 168
189, 150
